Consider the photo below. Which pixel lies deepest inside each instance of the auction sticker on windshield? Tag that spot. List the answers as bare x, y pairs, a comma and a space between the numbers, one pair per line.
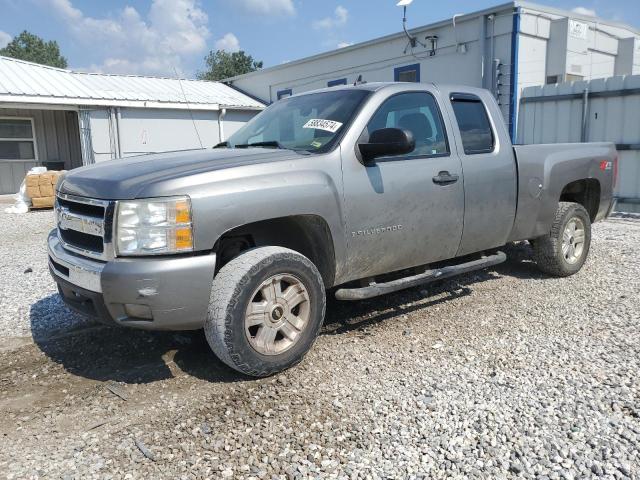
319, 124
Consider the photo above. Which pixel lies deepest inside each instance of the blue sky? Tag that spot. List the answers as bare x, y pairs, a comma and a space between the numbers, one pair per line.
158, 37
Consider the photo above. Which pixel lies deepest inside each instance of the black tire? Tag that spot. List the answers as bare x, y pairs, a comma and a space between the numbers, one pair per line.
232, 290
547, 250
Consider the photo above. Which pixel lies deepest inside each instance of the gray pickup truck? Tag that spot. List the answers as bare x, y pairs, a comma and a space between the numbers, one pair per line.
364, 190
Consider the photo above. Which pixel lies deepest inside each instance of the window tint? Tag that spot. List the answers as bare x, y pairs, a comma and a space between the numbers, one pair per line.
418, 113
475, 129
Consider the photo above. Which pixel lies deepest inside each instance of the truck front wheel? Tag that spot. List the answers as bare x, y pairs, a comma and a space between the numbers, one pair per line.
266, 309
564, 250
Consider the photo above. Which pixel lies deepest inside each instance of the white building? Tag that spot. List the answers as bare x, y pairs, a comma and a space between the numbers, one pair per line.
504, 48
66, 119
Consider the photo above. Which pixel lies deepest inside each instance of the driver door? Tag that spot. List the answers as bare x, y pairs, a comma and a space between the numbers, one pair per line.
398, 212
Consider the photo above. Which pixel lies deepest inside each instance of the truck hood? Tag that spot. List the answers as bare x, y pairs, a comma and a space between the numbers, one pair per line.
124, 178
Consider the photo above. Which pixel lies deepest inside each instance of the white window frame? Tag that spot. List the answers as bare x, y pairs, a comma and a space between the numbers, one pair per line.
33, 139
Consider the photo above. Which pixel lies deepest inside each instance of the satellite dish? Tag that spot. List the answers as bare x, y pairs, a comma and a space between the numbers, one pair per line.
404, 3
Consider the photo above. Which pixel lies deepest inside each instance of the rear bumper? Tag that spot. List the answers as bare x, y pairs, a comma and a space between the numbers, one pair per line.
161, 293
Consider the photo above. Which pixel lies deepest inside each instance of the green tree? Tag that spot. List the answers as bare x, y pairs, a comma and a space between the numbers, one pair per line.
32, 48
222, 64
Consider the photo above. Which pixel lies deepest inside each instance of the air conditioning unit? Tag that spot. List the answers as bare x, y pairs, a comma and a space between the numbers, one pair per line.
567, 50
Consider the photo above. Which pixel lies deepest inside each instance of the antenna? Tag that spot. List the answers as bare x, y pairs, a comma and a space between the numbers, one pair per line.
188, 107
412, 40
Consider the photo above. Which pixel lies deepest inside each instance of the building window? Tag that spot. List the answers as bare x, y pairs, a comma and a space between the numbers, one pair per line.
335, 83
473, 121
572, 77
284, 93
17, 139
408, 73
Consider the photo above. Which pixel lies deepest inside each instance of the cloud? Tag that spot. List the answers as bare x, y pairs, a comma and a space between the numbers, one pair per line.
344, 44
229, 43
267, 7
5, 38
172, 32
585, 11
339, 19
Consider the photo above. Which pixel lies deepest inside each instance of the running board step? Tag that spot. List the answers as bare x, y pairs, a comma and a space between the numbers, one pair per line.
429, 276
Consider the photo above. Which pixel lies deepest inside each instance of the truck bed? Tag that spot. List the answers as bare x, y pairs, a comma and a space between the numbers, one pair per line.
548, 173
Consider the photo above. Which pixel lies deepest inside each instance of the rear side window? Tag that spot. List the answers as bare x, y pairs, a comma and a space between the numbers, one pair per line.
475, 128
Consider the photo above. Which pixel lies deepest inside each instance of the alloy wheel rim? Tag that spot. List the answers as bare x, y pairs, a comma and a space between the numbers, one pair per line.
573, 239
277, 314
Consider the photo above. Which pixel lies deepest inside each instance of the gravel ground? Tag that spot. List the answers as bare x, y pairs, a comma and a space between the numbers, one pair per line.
499, 374
29, 304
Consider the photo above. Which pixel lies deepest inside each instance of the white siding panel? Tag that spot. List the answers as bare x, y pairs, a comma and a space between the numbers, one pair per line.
148, 131
234, 120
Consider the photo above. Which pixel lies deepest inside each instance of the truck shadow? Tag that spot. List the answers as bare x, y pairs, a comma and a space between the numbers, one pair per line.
519, 263
134, 356
103, 353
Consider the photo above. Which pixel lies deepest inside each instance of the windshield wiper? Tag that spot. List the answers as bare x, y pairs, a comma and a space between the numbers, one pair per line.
273, 144
268, 143
222, 145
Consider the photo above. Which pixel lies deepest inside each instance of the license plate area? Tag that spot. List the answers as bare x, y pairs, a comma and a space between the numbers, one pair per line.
76, 275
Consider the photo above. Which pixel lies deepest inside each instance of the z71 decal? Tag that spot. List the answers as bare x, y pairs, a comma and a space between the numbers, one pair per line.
606, 165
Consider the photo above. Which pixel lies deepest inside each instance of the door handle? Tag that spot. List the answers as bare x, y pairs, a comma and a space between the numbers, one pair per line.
445, 178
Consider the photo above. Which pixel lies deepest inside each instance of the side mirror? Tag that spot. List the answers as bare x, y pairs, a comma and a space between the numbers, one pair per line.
386, 142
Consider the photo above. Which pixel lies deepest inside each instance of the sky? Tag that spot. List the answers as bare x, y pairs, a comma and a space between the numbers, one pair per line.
169, 37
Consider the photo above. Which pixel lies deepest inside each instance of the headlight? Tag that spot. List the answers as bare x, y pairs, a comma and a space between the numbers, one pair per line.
154, 226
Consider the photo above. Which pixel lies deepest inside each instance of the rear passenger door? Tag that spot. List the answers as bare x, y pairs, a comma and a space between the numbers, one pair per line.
490, 174
404, 210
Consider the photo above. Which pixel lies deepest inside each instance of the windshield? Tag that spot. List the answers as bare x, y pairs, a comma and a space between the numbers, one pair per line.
311, 122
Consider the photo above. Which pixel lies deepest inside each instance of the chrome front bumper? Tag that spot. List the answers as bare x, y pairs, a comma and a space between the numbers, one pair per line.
173, 291
80, 271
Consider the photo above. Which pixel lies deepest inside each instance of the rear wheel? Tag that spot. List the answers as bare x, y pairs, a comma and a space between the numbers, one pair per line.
564, 250
267, 306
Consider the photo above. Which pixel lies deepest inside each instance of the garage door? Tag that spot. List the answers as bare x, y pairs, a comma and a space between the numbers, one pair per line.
18, 152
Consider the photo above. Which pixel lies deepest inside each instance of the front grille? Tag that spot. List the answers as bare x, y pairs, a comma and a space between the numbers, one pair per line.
85, 224
82, 240
83, 208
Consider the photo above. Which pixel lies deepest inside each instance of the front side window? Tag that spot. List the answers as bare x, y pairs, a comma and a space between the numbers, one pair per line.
475, 128
312, 122
16, 139
418, 113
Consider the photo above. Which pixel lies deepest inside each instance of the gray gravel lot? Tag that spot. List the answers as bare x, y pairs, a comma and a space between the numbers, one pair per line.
499, 374
26, 280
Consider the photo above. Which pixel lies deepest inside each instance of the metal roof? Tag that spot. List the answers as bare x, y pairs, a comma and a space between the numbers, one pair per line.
26, 82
